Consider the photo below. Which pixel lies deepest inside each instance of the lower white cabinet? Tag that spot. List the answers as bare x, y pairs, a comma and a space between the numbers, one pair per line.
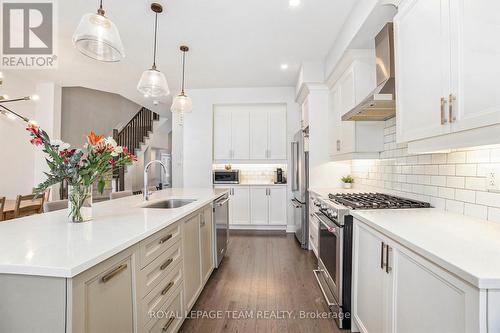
239, 205
277, 205
259, 203
396, 290
192, 258
206, 243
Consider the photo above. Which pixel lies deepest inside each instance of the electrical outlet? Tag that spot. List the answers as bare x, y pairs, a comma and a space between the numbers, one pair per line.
492, 183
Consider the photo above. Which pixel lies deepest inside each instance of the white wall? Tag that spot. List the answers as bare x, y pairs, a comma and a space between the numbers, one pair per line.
17, 155
192, 143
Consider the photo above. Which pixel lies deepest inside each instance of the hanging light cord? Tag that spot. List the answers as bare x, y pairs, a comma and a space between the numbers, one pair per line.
183, 69
154, 47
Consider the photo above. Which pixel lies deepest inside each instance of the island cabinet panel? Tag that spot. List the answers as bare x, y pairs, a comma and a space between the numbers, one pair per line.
102, 297
172, 315
192, 258
206, 241
397, 290
32, 303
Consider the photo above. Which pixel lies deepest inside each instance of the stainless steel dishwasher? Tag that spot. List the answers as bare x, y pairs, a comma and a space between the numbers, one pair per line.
221, 227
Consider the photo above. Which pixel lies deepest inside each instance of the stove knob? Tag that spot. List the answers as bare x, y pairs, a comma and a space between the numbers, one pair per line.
335, 214
331, 213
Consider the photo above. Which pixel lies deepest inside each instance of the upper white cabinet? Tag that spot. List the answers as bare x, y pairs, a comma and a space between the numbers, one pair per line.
231, 133
250, 132
354, 139
447, 71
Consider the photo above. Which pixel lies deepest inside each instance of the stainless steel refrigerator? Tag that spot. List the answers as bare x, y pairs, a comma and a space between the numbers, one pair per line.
300, 183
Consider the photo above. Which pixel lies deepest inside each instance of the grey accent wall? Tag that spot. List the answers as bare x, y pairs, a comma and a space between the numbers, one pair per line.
84, 110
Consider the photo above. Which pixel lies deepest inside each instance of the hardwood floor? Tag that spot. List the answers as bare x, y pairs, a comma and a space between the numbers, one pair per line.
263, 271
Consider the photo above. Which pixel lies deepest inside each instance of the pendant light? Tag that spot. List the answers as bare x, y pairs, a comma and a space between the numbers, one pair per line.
182, 103
98, 38
153, 83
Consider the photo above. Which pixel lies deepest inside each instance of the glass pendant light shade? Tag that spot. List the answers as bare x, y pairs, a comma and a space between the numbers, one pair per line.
98, 38
182, 103
153, 84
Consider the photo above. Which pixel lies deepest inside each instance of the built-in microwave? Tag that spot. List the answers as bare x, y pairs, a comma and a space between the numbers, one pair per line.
226, 176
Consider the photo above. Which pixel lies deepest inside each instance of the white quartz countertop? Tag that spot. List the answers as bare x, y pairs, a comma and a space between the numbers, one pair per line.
48, 245
467, 247
251, 184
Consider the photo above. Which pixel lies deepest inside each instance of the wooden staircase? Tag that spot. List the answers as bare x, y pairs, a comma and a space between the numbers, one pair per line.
133, 135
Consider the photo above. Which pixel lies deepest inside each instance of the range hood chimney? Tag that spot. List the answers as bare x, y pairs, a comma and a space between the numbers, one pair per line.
381, 103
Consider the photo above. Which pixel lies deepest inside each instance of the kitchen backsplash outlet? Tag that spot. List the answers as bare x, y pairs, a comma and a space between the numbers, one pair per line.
455, 181
256, 173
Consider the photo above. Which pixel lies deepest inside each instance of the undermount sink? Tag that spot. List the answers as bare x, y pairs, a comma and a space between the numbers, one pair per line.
169, 203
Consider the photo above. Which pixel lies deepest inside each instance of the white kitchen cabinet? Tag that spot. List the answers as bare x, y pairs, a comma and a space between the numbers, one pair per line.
222, 133
259, 203
250, 132
191, 258
239, 205
231, 135
277, 205
396, 290
354, 139
371, 283
446, 73
206, 243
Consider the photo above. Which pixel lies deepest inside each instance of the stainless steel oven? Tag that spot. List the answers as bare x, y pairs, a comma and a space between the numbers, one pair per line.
226, 176
335, 260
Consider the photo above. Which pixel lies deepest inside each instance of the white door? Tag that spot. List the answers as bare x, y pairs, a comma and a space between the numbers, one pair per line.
346, 103
422, 55
240, 134
240, 205
277, 205
475, 71
277, 133
259, 201
222, 133
370, 296
428, 299
259, 119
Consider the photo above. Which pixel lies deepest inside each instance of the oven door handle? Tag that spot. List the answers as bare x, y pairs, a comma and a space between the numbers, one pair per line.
317, 272
324, 223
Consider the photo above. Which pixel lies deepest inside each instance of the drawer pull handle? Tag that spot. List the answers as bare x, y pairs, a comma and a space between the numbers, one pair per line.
166, 238
167, 288
166, 263
113, 273
167, 325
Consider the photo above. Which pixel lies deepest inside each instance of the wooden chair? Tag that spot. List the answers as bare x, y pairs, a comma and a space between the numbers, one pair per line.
28, 205
121, 194
55, 205
2, 205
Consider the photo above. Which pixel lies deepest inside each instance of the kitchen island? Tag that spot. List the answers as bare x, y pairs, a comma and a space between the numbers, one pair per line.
130, 269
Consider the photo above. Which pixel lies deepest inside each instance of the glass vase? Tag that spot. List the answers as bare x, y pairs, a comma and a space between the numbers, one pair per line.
79, 203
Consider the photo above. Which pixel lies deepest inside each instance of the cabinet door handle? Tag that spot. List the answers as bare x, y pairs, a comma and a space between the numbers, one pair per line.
451, 98
164, 239
382, 255
167, 288
166, 263
113, 273
387, 268
443, 118
167, 325
338, 145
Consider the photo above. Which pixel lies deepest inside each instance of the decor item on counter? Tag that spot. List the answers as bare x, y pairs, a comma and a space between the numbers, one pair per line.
280, 179
153, 82
98, 38
80, 169
347, 181
182, 103
227, 167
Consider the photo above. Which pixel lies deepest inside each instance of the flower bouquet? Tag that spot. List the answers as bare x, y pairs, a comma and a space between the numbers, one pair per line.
81, 169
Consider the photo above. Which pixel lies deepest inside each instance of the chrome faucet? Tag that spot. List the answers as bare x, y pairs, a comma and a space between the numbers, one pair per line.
146, 192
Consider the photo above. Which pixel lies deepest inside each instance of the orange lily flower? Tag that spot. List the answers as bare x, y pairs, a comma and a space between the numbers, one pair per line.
93, 139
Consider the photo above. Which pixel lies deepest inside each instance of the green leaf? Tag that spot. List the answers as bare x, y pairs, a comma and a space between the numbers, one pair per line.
100, 185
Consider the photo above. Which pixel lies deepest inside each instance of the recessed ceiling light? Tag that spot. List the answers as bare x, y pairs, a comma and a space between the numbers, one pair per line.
294, 3
284, 66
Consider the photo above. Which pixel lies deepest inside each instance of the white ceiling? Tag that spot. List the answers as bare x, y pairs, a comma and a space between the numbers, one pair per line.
234, 43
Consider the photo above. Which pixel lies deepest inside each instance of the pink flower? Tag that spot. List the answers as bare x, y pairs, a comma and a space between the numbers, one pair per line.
36, 141
111, 161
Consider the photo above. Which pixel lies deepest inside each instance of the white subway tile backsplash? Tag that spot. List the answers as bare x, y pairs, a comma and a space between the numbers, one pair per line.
453, 181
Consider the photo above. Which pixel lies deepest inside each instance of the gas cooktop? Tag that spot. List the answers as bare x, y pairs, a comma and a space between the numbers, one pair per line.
375, 201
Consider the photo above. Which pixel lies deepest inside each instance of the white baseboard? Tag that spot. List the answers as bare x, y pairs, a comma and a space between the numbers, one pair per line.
290, 228
257, 227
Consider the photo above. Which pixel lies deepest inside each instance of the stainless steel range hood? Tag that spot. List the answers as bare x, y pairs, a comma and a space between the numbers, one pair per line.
381, 102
